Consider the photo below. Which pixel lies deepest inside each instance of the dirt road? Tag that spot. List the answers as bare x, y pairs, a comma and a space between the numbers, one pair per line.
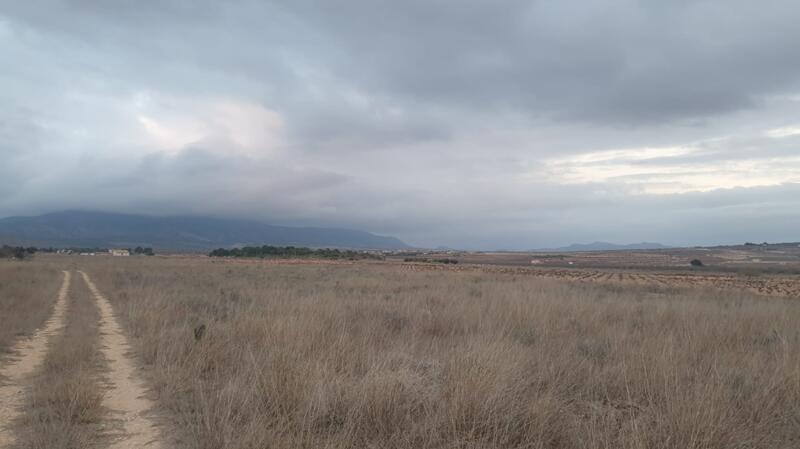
29, 355
126, 396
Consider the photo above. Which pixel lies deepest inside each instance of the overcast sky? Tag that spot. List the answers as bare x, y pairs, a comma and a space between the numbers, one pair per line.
472, 124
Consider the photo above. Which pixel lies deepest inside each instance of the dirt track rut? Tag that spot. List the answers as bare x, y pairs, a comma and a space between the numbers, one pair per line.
29, 356
126, 396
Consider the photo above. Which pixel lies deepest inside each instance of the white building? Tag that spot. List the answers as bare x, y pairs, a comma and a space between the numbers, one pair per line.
119, 252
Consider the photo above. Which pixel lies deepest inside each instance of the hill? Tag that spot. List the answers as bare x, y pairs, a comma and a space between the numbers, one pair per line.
187, 233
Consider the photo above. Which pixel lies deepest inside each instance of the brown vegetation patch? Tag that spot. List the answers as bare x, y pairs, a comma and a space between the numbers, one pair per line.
28, 291
28, 355
63, 407
376, 355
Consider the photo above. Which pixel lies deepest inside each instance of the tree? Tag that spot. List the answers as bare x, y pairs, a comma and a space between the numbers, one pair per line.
16, 252
696, 263
267, 251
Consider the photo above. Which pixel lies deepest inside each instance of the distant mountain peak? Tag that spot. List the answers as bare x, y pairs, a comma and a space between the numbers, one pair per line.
196, 233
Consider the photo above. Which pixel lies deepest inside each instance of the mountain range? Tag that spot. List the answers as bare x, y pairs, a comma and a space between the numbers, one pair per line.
186, 233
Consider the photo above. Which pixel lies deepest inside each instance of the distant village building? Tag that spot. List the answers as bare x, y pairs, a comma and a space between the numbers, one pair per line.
119, 252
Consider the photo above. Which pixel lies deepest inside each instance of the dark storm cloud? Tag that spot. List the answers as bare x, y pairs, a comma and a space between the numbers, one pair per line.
466, 123
608, 61
193, 181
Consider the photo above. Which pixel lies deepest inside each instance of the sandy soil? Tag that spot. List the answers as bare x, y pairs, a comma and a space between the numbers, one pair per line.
126, 396
29, 355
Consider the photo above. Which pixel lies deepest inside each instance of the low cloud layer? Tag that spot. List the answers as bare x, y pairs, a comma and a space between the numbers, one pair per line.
469, 124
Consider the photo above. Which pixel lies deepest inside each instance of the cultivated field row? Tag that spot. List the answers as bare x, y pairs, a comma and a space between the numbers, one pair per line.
770, 285
786, 286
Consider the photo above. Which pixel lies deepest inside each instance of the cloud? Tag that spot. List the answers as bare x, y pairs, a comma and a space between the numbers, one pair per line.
509, 124
786, 131
232, 126
605, 61
194, 180
742, 161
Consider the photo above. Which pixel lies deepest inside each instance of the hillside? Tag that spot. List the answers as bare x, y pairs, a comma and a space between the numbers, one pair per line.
188, 233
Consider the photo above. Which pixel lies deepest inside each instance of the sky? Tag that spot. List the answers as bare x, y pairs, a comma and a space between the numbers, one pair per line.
500, 124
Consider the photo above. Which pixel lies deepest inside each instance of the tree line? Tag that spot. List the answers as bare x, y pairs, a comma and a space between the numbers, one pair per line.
292, 252
16, 252
427, 260
23, 252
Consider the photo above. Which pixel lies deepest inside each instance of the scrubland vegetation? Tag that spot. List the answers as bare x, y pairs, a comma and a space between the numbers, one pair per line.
372, 356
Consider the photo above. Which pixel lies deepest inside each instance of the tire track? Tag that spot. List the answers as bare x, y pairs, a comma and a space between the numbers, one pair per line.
31, 352
126, 397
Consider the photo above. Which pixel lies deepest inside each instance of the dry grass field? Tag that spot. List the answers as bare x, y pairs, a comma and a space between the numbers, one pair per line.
63, 409
377, 356
370, 356
26, 299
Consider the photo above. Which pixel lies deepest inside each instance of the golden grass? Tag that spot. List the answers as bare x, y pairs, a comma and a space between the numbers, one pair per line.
374, 357
28, 291
64, 409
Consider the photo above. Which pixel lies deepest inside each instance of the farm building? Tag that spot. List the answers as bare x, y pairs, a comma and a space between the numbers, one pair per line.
119, 252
